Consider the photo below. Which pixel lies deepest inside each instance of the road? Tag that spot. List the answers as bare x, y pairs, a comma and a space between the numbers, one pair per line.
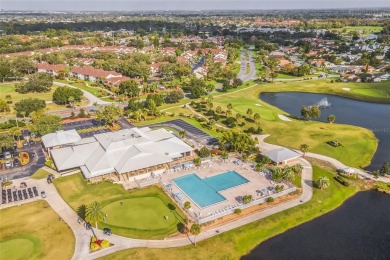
243, 75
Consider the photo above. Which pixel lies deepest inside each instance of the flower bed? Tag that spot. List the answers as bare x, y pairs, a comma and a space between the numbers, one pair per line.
24, 158
98, 244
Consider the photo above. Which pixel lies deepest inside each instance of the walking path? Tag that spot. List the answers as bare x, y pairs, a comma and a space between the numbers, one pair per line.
92, 98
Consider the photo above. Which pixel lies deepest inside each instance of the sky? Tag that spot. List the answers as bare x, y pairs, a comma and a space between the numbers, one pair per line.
134, 5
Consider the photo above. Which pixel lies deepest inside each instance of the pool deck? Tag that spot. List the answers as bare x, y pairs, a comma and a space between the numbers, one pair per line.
233, 195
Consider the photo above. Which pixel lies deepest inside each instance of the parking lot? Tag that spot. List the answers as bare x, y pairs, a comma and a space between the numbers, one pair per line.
194, 133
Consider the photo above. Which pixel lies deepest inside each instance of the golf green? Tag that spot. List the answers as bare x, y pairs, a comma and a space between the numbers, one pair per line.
11, 249
146, 213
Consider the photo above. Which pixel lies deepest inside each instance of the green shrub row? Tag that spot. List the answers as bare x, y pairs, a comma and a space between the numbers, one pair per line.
341, 181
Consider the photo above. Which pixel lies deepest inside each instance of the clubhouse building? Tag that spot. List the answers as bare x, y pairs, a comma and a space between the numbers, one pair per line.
121, 156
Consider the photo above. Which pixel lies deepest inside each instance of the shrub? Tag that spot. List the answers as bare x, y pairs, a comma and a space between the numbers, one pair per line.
270, 199
7, 183
334, 143
238, 211
341, 181
246, 199
279, 188
204, 152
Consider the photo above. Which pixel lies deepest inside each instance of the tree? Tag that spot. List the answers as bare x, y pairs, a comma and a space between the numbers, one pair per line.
218, 109
65, 95
157, 98
94, 213
246, 199
229, 112
23, 65
187, 205
182, 133
174, 96
305, 112
4, 107
15, 131
288, 174
323, 182
45, 124
249, 112
237, 141
256, 117
238, 116
6, 141
29, 105
315, 111
229, 106
385, 169
197, 92
304, 148
195, 230
297, 168
204, 152
5, 69
38, 82
197, 161
129, 88
151, 106
109, 114
277, 173
331, 119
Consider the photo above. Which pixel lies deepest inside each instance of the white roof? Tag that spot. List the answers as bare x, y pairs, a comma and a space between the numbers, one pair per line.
60, 138
122, 151
281, 154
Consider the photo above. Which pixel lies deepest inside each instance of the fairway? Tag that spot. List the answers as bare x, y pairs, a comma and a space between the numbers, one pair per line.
139, 213
359, 144
32, 231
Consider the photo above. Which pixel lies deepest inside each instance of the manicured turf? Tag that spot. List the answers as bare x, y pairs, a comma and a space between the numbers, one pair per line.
40, 174
146, 213
9, 89
238, 242
32, 231
360, 144
143, 210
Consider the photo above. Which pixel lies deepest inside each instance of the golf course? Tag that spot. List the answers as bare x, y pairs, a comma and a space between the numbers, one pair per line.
37, 231
147, 213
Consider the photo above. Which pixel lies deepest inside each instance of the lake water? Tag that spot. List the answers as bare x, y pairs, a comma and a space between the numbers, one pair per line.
349, 232
373, 116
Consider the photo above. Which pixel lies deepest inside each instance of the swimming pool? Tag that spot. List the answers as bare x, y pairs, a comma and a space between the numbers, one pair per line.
205, 192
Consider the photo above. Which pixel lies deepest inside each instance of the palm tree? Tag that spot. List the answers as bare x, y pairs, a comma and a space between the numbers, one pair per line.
218, 109
238, 116
195, 230
182, 133
323, 182
187, 205
288, 174
256, 117
249, 112
229, 112
331, 119
94, 213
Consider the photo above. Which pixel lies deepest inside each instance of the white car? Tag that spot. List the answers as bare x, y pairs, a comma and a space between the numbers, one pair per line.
7, 155
8, 164
43, 194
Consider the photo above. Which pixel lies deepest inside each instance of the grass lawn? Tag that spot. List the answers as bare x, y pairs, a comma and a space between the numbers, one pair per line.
367, 30
359, 144
238, 242
9, 89
142, 213
40, 174
285, 76
33, 231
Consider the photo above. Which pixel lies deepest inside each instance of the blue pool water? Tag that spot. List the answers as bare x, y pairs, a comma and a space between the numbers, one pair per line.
205, 192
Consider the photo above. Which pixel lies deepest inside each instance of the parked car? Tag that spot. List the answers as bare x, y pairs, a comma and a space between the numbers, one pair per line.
7, 155
8, 164
25, 143
32, 135
31, 142
16, 162
107, 231
43, 194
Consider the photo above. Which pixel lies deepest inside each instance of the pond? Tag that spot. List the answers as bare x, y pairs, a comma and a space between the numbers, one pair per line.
373, 116
349, 232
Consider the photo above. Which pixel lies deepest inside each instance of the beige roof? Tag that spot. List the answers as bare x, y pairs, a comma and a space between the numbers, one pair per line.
122, 151
60, 138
